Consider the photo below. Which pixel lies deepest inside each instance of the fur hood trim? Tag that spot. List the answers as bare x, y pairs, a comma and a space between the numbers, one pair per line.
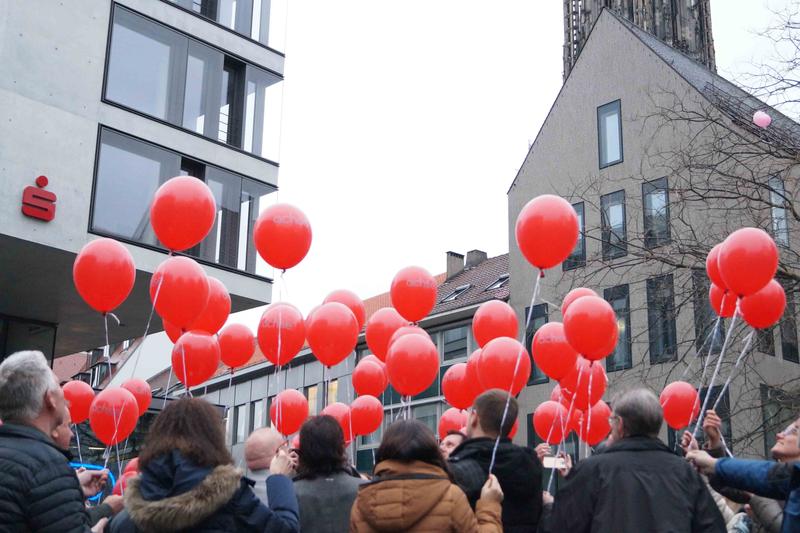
185, 510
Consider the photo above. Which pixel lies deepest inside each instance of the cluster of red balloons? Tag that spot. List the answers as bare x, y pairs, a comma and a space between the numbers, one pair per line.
741, 269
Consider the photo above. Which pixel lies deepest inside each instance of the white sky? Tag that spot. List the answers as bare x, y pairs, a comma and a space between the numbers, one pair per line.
404, 124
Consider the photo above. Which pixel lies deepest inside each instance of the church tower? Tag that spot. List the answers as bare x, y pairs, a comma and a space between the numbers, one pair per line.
684, 24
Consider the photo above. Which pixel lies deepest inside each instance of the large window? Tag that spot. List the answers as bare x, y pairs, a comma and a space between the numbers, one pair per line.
256, 415
578, 256
260, 20
454, 343
538, 319
609, 134
788, 327
332, 395
612, 212
619, 299
128, 173
661, 319
155, 70
655, 201
311, 395
240, 423
780, 224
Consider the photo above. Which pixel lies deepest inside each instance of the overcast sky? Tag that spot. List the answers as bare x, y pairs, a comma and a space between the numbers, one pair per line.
404, 124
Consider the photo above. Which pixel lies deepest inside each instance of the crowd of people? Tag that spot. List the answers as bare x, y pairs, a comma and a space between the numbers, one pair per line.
475, 479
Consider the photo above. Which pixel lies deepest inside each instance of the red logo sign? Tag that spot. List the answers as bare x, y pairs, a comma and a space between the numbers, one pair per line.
39, 203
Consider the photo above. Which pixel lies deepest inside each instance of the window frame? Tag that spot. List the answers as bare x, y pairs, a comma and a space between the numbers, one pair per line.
777, 194
789, 320
499, 283
455, 293
606, 229
647, 188
600, 109
610, 294
655, 317
572, 261
542, 310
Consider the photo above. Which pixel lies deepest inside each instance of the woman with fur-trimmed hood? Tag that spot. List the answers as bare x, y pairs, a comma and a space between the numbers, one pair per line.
188, 482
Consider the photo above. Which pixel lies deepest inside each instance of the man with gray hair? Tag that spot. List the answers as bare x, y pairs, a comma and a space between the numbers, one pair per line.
637, 483
259, 449
39, 491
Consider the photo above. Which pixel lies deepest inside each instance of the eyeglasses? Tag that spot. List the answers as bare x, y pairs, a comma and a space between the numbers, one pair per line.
790, 430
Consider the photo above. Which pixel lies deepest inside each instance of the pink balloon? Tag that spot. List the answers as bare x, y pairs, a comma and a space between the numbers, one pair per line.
761, 119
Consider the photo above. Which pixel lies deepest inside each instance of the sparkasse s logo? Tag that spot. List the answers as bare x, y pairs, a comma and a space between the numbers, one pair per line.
38, 202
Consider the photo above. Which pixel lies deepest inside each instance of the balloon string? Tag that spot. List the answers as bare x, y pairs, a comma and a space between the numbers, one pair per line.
711, 335
230, 408
185, 376
508, 402
137, 350
108, 346
745, 350
166, 391
279, 407
563, 432
589, 410
558, 450
536, 288
119, 465
114, 436
716, 371
78, 441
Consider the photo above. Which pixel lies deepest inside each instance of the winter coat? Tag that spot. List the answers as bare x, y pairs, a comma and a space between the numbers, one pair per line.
636, 484
767, 514
418, 497
174, 494
38, 489
326, 501
779, 481
517, 469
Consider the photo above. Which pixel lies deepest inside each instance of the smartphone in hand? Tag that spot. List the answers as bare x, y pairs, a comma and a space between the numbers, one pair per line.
551, 461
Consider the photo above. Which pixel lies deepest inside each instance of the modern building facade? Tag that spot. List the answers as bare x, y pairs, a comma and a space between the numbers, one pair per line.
107, 100
641, 146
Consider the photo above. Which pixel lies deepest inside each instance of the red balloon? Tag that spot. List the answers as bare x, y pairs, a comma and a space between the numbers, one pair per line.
173, 332
413, 293
452, 420
217, 309
236, 345
132, 466
412, 364
504, 364
122, 483
552, 353
281, 332
764, 308
547, 231
182, 289
573, 295
584, 377
113, 415
366, 414
141, 391
341, 412
722, 302
182, 212
681, 404
594, 426
282, 235
103, 274
573, 419
195, 357
371, 358
380, 328
455, 388
590, 326
288, 411
712, 267
369, 379
548, 419
79, 396
352, 301
408, 330
332, 333
473, 379
555, 394
747, 260
494, 319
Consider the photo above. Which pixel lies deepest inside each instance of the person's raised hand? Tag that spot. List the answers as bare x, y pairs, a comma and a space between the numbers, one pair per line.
117, 503
491, 490
542, 450
702, 461
564, 472
281, 463
712, 424
547, 498
92, 481
688, 443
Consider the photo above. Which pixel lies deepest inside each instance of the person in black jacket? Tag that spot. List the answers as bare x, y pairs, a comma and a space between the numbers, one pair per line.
637, 483
188, 482
517, 469
39, 491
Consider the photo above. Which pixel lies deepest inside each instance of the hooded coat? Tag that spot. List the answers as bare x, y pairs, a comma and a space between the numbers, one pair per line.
418, 497
517, 469
174, 494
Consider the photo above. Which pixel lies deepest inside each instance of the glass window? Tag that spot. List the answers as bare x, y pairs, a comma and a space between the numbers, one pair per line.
256, 415
661, 319
780, 224
240, 423
538, 319
788, 327
778, 409
458, 291
655, 199
707, 340
622, 358
144, 65
128, 173
454, 343
311, 396
203, 89
765, 341
612, 212
262, 116
333, 392
609, 134
502, 281
427, 414
578, 256
365, 460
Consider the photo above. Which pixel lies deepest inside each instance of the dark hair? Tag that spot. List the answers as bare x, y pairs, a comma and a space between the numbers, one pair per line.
192, 427
490, 407
456, 432
410, 440
321, 448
